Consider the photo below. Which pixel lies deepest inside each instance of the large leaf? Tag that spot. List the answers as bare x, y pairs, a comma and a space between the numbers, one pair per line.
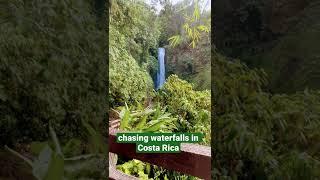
174, 40
143, 113
85, 165
155, 127
196, 12
41, 164
55, 141
96, 139
125, 119
56, 168
203, 28
164, 116
142, 123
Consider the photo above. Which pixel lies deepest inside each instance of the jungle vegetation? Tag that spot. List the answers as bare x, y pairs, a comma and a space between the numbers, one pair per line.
53, 90
265, 86
53, 94
136, 31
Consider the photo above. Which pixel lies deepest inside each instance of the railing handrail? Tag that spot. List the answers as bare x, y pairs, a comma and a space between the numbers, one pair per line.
193, 159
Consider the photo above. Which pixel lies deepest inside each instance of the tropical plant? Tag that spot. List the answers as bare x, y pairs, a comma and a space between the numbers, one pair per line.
193, 108
261, 135
140, 119
52, 70
136, 168
146, 120
193, 27
132, 44
51, 163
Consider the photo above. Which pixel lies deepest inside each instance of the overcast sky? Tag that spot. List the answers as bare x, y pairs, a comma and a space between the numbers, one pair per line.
206, 3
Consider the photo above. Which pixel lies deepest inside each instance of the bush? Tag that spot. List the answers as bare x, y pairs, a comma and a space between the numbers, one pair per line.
128, 82
192, 107
132, 41
181, 99
262, 135
151, 66
52, 69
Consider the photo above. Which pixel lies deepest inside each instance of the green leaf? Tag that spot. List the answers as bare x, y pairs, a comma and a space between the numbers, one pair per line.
55, 140
56, 167
96, 139
84, 164
193, 44
125, 120
142, 123
148, 168
155, 127
164, 116
196, 12
203, 28
174, 40
143, 113
41, 164
158, 112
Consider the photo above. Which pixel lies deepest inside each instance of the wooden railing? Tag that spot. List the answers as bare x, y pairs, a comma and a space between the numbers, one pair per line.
193, 159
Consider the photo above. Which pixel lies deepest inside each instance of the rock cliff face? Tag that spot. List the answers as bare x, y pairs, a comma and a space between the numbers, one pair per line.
281, 36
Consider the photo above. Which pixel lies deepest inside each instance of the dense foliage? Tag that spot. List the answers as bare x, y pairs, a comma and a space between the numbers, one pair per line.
260, 135
280, 36
136, 31
132, 43
128, 81
51, 163
187, 28
193, 65
176, 108
146, 119
52, 70
193, 108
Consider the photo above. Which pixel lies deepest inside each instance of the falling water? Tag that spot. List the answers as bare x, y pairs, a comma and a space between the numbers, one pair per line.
161, 70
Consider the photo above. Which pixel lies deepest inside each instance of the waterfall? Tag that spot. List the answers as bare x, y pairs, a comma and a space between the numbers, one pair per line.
161, 71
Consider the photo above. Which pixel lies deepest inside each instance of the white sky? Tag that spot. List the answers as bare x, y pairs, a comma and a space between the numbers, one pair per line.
206, 3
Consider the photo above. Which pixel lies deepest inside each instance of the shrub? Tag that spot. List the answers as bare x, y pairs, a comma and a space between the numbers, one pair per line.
262, 135
52, 69
131, 42
150, 119
192, 107
127, 80
181, 99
